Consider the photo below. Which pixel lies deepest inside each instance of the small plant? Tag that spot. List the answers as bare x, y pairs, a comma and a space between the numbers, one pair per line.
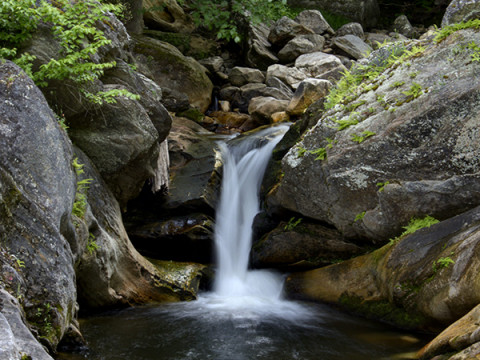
359, 216
443, 262
381, 185
80, 203
416, 224
346, 123
446, 31
92, 245
397, 84
292, 224
415, 91
361, 138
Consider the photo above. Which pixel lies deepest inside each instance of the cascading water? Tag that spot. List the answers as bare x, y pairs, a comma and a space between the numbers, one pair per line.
243, 170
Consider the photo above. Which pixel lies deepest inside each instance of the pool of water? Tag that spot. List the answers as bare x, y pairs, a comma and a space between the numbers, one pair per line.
241, 328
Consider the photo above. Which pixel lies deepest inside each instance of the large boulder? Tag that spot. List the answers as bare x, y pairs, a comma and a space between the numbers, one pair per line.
309, 91
461, 10
285, 29
365, 12
320, 65
314, 20
407, 149
166, 15
426, 280
259, 52
352, 46
300, 45
169, 68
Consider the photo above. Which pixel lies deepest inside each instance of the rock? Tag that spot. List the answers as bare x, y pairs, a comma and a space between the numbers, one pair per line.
280, 116
301, 246
353, 46
261, 108
175, 101
300, 45
179, 238
230, 119
259, 53
37, 190
167, 66
461, 10
403, 26
320, 65
167, 15
422, 281
365, 12
351, 29
213, 64
313, 19
16, 340
275, 82
460, 335
284, 30
135, 23
375, 39
194, 180
291, 76
309, 91
123, 144
424, 129
240, 76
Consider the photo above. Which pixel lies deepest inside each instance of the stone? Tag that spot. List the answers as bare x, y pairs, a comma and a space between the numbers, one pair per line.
291, 76
402, 25
301, 246
284, 30
425, 280
461, 10
351, 29
365, 12
174, 100
240, 76
259, 52
168, 67
320, 65
300, 45
313, 19
374, 39
229, 119
274, 82
309, 91
194, 178
167, 15
261, 108
353, 46
421, 131
280, 116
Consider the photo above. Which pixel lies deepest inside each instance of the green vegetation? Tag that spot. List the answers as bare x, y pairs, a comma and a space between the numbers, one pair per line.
92, 246
442, 263
415, 91
292, 224
381, 185
74, 25
359, 216
80, 203
364, 135
446, 31
416, 224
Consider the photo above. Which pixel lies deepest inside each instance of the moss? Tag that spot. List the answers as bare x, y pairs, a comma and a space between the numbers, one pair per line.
382, 310
192, 114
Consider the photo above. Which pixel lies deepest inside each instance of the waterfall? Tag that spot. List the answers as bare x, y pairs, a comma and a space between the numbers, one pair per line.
244, 165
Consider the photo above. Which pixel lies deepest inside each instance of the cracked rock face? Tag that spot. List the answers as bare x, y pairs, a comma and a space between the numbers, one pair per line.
407, 147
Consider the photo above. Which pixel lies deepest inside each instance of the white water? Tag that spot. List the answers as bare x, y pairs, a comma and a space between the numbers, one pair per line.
239, 291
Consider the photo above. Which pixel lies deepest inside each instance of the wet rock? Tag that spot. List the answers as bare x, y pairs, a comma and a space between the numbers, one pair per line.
461, 10
261, 108
309, 91
240, 76
194, 179
320, 65
301, 246
425, 280
300, 45
353, 46
284, 30
313, 19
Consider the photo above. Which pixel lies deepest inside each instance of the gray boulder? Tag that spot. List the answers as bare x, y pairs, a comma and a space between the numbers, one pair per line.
320, 65
352, 46
402, 26
284, 30
351, 29
407, 136
365, 12
275, 82
300, 45
461, 10
291, 76
240, 76
313, 19
259, 52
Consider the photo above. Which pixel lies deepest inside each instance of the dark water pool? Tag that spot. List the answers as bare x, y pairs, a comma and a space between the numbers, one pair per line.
241, 329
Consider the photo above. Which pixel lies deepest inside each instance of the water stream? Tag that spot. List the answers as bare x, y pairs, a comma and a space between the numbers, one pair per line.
245, 316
